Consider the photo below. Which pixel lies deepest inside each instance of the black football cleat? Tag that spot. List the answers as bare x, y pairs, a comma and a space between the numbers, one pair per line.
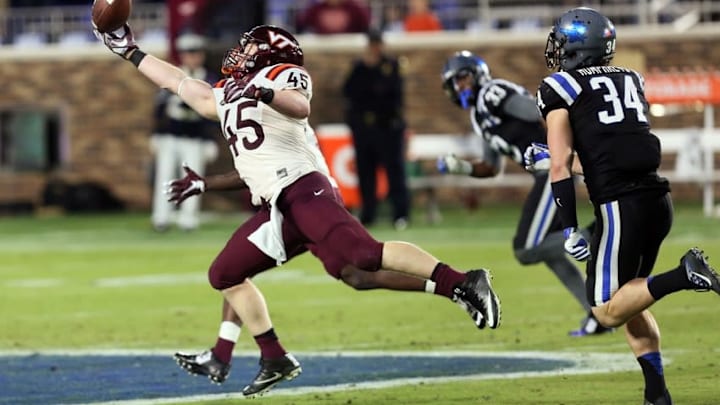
699, 272
272, 371
204, 363
590, 327
476, 316
482, 304
663, 400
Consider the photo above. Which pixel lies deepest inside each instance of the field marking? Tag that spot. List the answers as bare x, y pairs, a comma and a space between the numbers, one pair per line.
585, 363
35, 283
280, 275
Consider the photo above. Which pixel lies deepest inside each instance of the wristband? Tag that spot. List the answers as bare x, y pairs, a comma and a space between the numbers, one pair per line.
266, 95
564, 193
137, 57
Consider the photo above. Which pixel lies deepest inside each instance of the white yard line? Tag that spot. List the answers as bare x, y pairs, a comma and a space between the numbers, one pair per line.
281, 275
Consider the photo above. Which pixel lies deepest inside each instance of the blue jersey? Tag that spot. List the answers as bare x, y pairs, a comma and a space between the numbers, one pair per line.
493, 119
611, 131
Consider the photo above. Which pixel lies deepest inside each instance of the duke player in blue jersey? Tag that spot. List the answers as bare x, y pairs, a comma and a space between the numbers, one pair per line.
597, 124
503, 114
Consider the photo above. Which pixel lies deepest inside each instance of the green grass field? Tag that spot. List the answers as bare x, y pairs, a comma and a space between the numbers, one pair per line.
109, 282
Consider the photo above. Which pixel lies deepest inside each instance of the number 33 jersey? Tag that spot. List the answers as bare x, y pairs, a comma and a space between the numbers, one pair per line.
506, 118
270, 150
608, 115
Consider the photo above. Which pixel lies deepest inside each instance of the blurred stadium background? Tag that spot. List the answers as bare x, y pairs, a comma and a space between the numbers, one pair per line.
73, 116
75, 123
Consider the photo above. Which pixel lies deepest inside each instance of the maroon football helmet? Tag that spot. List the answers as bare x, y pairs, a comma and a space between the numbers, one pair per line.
274, 45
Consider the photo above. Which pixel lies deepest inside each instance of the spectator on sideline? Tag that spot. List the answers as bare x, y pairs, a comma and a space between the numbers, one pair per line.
421, 17
180, 136
393, 18
334, 17
375, 100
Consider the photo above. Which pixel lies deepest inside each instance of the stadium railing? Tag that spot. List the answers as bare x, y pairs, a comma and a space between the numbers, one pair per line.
69, 24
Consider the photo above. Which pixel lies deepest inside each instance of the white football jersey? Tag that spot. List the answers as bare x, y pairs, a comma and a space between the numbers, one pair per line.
270, 150
321, 162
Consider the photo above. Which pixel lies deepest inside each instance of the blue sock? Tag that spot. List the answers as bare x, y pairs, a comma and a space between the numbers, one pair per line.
652, 368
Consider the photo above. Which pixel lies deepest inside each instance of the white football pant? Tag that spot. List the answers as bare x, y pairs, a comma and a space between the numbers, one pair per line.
170, 153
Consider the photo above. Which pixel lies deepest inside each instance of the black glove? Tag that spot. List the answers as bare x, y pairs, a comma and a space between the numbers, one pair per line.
263, 94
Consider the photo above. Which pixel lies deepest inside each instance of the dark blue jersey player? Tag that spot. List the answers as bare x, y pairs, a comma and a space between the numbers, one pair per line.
505, 117
597, 114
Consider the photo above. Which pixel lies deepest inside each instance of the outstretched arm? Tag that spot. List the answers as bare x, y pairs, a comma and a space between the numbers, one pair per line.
487, 165
451, 164
196, 93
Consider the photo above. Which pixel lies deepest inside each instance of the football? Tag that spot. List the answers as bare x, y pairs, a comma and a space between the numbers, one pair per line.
109, 15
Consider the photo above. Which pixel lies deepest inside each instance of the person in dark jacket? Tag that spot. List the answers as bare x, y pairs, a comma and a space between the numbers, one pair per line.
374, 93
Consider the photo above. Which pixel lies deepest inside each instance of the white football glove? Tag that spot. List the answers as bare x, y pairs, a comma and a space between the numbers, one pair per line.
537, 157
576, 245
121, 41
450, 164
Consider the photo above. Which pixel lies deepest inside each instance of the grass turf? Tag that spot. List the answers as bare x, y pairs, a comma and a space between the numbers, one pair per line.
108, 281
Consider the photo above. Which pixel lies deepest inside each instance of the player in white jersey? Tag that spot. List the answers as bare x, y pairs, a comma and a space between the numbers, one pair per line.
215, 363
285, 155
263, 108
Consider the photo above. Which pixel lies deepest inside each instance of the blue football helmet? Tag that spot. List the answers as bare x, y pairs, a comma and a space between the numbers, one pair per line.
460, 65
580, 38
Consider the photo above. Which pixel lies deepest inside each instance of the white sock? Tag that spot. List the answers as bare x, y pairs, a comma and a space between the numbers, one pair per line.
229, 331
430, 286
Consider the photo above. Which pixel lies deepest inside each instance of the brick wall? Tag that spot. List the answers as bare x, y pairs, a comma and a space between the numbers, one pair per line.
106, 105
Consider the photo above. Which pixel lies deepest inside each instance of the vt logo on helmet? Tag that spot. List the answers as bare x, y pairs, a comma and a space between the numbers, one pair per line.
262, 46
580, 38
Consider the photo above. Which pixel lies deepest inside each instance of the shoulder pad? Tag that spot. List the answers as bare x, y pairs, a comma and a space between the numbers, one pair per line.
274, 71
